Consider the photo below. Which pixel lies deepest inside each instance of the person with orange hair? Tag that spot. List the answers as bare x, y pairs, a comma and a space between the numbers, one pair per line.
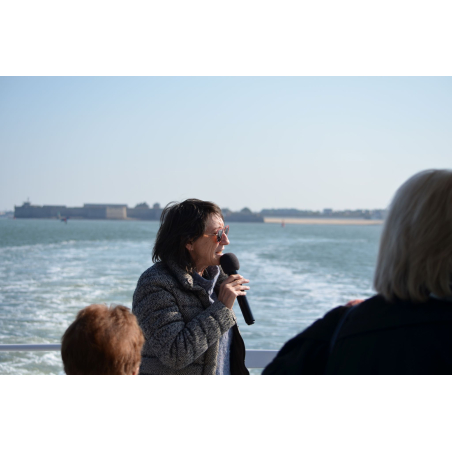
102, 341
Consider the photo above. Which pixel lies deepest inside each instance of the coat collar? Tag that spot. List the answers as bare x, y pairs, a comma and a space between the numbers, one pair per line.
186, 279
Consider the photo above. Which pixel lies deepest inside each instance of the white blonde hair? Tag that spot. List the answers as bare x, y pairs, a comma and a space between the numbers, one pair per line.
415, 256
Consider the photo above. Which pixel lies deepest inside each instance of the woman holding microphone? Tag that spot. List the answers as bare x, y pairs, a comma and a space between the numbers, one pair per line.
184, 302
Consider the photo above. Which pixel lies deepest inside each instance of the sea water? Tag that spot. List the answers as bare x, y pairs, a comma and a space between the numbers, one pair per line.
50, 270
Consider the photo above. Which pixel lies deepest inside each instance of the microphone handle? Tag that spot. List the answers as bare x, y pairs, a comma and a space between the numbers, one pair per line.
246, 310
244, 306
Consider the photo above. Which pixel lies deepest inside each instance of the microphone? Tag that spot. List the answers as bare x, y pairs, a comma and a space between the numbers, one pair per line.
230, 265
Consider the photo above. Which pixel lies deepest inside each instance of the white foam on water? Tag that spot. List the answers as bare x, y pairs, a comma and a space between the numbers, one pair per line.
295, 278
289, 296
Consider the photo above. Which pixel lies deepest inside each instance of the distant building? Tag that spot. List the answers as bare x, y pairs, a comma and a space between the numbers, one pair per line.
27, 210
88, 211
143, 212
112, 211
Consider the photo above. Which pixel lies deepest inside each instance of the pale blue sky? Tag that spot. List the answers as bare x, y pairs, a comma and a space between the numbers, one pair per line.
260, 142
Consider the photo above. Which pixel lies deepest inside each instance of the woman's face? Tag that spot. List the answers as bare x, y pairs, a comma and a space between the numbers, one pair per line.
206, 250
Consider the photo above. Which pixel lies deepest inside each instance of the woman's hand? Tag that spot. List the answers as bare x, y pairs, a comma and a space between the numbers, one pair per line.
231, 288
353, 303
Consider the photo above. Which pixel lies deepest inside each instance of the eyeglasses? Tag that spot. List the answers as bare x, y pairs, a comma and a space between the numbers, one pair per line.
219, 233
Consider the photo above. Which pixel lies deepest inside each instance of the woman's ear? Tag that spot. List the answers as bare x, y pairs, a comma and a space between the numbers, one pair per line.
189, 246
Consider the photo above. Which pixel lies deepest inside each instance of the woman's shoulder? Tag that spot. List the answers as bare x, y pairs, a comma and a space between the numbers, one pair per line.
165, 275
159, 271
154, 281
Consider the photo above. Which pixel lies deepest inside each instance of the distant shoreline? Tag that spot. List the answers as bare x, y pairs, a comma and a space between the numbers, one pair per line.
270, 220
357, 221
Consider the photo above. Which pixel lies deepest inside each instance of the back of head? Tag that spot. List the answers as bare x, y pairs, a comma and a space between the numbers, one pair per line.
180, 223
102, 341
415, 256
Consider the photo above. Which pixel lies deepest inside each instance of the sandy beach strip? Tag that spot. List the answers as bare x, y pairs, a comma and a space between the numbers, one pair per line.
358, 221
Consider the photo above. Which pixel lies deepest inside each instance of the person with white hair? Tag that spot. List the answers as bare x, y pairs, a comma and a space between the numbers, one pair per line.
407, 327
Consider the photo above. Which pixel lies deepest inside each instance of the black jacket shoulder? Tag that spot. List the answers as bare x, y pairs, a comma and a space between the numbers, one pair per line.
307, 352
376, 337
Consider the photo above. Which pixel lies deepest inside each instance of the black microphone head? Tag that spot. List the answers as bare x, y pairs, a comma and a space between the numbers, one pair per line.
229, 263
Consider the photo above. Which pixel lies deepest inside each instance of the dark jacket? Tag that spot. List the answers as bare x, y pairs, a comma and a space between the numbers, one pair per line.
376, 337
182, 328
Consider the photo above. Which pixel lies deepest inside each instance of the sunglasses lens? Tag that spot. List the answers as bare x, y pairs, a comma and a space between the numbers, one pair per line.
221, 231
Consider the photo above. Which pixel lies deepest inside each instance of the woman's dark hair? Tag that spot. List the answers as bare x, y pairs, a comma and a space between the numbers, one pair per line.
181, 223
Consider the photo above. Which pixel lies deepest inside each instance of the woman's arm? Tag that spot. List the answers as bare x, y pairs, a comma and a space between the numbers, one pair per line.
176, 343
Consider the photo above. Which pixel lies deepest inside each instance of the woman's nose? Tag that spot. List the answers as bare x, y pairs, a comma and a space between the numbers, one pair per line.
224, 239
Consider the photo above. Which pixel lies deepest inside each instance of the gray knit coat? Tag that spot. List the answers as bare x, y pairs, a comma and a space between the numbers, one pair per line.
182, 328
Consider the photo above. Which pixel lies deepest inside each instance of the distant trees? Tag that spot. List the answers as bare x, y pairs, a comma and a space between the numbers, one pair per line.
244, 215
328, 213
145, 205
142, 205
